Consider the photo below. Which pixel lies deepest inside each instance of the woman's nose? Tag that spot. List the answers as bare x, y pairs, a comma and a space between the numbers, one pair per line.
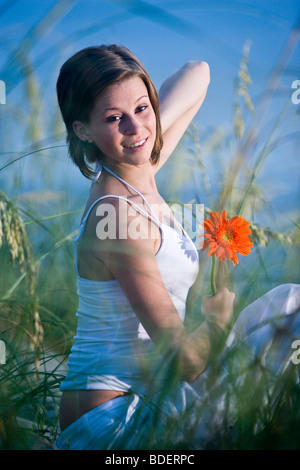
131, 125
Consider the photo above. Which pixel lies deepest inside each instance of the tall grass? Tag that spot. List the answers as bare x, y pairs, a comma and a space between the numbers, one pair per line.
38, 285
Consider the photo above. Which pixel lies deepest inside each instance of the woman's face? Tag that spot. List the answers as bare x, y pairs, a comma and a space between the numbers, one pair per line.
123, 123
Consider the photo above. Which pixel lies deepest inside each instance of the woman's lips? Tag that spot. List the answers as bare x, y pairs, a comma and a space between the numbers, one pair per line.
136, 145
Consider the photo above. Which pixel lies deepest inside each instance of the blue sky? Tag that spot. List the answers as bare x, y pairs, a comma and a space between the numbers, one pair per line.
164, 35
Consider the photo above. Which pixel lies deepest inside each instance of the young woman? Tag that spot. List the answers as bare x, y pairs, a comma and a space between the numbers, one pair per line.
135, 263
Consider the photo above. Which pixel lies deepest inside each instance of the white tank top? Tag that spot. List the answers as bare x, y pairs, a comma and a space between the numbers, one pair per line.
110, 342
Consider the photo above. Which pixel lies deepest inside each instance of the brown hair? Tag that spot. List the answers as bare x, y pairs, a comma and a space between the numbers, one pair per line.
82, 77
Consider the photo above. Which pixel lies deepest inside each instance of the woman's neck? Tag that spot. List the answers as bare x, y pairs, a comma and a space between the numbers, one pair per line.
140, 177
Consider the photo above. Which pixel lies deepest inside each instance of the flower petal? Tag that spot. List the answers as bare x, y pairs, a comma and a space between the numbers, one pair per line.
226, 238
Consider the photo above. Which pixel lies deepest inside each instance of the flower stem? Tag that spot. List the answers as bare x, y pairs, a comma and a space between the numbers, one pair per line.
212, 275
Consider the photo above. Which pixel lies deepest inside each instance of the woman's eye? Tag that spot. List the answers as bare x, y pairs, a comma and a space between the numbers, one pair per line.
113, 118
141, 108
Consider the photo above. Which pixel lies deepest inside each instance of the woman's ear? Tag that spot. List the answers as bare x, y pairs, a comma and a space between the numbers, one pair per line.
81, 131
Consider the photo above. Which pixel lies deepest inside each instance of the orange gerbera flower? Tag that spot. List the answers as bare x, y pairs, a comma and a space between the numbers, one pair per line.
225, 238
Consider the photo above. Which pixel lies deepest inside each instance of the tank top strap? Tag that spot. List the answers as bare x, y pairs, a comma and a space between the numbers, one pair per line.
83, 223
154, 216
137, 207
134, 189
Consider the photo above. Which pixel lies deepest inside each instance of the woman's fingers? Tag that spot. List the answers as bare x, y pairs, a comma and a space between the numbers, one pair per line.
219, 307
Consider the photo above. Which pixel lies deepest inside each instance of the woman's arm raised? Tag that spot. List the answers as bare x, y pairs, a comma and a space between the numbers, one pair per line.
181, 97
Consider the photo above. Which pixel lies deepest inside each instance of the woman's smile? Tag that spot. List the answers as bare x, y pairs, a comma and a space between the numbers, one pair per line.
136, 145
